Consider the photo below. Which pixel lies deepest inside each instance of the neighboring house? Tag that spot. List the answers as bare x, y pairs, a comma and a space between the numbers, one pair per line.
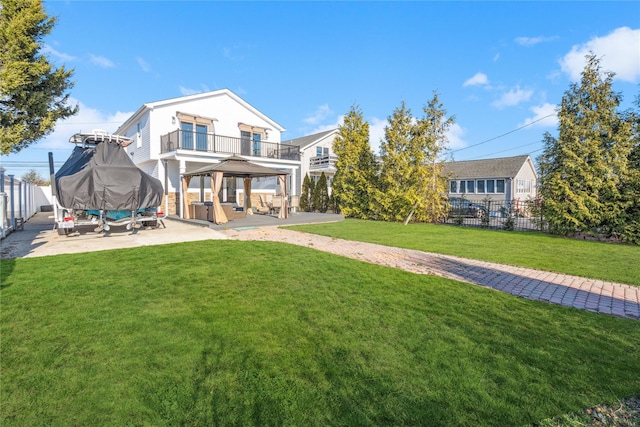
316, 156
502, 179
183, 134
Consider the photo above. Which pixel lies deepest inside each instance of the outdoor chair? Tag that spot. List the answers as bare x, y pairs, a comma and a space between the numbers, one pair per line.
276, 204
264, 207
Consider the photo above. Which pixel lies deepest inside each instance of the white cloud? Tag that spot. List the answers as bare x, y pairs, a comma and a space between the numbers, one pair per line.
143, 64
619, 52
455, 137
496, 57
513, 97
321, 113
545, 115
330, 126
101, 61
376, 133
86, 120
48, 50
532, 41
189, 91
479, 79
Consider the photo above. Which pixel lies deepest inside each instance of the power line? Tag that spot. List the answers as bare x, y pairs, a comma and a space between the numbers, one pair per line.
504, 151
504, 134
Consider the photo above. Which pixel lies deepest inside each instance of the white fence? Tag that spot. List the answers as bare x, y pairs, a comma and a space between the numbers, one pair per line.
17, 202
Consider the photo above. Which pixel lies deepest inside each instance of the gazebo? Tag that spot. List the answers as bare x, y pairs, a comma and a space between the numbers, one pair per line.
238, 167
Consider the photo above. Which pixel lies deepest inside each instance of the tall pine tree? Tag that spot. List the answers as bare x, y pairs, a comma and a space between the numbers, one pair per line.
321, 194
401, 174
581, 170
355, 178
32, 91
430, 134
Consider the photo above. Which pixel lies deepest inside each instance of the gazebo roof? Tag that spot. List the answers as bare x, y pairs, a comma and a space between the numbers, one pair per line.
238, 167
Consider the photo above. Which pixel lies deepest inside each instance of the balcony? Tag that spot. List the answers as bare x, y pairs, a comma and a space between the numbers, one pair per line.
212, 143
323, 163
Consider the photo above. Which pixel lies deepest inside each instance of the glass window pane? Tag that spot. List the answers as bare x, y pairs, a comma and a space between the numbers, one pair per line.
480, 186
187, 135
453, 186
470, 187
499, 185
257, 145
201, 137
491, 186
245, 143
463, 187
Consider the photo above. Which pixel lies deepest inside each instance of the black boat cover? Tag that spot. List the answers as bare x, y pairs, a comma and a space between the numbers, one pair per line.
104, 177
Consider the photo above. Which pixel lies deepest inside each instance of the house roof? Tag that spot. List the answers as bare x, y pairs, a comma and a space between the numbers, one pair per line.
504, 167
151, 105
238, 167
308, 140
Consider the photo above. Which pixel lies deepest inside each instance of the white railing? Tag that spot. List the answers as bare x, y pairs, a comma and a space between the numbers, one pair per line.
17, 202
322, 162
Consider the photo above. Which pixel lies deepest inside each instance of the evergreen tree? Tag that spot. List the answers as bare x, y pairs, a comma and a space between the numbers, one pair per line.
321, 194
306, 194
430, 135
402, 173
628, 226
355, 178
581, 171
32, 91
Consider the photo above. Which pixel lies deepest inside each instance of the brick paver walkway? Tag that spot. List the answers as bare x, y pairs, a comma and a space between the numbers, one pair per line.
587, 294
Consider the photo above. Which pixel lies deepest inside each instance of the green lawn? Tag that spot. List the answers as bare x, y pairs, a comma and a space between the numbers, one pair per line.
262, 333
597, 260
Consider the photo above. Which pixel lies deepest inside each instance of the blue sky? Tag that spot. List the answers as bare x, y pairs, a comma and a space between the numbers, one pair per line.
497, 66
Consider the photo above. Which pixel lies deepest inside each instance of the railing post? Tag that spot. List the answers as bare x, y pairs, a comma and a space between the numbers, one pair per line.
20, 200
13, 202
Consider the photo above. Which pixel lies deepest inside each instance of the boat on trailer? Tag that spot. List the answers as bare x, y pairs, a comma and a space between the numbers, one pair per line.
100, 186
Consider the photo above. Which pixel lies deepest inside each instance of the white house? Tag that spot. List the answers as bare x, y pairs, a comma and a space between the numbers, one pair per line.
179, 135
316, 156
502, 179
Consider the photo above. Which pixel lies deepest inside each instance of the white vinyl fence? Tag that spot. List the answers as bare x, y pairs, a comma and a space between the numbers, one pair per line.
17, 202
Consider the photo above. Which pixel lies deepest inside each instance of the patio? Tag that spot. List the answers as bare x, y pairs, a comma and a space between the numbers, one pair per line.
259, 220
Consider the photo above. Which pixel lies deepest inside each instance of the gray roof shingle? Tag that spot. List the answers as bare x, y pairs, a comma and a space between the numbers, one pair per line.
504, 167
309, 139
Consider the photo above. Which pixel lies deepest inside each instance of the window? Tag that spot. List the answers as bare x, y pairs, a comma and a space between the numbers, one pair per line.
499, 185
470, 187
251, 139
201, 138
318, 151
187, 135
523, 186
245, 143
491, 185
256, 144
463, 187
480, 186
193, 131
139, 136
453, 186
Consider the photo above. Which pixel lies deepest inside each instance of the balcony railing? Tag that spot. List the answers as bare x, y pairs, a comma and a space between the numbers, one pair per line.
212, 143
323, 162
